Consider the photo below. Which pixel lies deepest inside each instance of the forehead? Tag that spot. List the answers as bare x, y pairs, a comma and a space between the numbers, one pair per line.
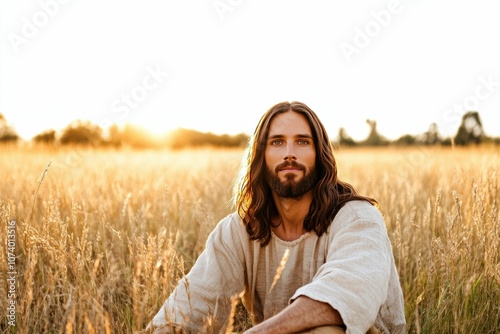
289, 123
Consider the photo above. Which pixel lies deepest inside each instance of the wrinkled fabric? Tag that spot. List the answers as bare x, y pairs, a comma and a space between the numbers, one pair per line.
351, 267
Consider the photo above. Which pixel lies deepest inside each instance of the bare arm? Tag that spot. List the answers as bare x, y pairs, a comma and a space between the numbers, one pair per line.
304, 313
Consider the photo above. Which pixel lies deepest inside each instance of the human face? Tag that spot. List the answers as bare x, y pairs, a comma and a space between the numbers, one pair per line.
290, 155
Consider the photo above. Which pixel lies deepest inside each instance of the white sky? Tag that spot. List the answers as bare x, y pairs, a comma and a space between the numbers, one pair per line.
73, 59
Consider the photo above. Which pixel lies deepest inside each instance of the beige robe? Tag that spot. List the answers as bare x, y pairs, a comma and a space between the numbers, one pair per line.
351, 267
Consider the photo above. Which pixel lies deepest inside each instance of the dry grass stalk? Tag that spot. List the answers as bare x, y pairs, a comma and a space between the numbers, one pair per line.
234, 304
42, 176
280, 268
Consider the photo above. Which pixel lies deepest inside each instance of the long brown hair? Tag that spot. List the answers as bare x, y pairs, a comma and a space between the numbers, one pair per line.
254, 201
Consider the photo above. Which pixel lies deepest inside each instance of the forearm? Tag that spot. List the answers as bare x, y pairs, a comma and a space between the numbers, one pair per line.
304, 313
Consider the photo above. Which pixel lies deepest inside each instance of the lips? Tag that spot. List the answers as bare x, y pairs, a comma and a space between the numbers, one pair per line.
289, 166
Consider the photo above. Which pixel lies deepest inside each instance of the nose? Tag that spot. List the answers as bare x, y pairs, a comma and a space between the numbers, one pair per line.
290, 153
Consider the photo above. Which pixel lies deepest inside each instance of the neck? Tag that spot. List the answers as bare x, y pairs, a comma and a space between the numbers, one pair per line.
292, 212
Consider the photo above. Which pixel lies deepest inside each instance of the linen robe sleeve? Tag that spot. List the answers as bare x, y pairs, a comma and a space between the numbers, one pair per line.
205, 293
354, 280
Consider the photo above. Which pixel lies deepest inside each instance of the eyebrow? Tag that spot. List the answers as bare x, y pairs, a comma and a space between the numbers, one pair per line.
297, 136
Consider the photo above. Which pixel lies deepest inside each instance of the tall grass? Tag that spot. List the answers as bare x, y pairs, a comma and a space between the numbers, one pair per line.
441, 210
111, 232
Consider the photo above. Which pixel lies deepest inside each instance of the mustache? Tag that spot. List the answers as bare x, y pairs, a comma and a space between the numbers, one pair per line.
286, 164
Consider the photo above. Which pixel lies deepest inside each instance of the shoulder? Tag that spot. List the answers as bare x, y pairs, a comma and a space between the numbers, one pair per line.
230, 237
232, 220
230, 226
358, 210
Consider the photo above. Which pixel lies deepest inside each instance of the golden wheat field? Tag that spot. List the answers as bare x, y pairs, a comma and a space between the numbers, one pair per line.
101, 237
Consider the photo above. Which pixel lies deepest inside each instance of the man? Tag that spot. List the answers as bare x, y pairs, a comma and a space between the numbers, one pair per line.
303, 250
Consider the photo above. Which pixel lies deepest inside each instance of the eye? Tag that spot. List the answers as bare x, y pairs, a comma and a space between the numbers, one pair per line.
276, 142
303, 142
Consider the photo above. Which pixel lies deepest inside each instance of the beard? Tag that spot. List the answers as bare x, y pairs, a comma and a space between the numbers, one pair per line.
290, 188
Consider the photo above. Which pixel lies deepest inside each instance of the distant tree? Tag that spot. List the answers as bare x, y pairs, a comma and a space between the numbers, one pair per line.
374, 138
446, 141
46, 137
7, 132
406, 140
432, 137
239, 140
183, 138
470, 130
82, 132
344, 139
114, 137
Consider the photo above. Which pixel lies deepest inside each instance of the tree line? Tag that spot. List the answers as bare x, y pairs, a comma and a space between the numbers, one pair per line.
81, 132
469, 132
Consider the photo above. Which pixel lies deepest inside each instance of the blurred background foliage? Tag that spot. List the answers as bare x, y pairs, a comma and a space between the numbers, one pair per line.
81, 132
